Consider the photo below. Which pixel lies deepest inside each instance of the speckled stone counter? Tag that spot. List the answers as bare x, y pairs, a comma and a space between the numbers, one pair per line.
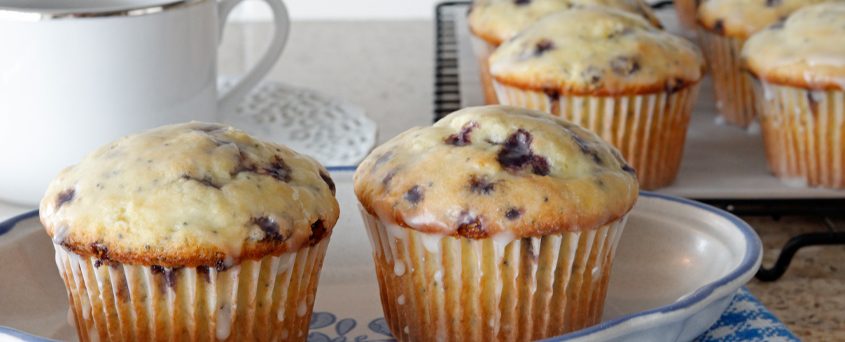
387, 68
810, 297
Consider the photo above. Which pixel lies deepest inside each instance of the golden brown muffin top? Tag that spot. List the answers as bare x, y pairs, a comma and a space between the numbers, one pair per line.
498, 20
596, 51
741, 18
189, 194
807, 50
484, 171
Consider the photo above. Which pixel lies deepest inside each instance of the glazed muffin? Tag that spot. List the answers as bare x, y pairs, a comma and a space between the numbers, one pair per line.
492, 22
497, 223
800, 68
191, 232
612, 73
724, 25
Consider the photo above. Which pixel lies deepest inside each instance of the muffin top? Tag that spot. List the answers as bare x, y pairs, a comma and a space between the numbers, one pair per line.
194, 194
596, 51
807, 50
741, 18
498, 20
484, 171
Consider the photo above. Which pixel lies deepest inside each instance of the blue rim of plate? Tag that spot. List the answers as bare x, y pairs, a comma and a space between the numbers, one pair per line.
753, 250
23, 336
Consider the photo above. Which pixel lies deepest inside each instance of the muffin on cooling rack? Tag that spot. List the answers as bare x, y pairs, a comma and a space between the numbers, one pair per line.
800, 65
612, 73
191, 232
497, 223
492, 22
724, 25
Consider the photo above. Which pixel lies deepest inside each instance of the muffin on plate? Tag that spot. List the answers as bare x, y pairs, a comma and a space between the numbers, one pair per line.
497, 223
800, 68
724, 25
191, 232
612, 73
492, 22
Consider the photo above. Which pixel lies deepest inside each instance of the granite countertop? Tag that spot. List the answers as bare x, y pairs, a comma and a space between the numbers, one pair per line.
386, 67
810, 297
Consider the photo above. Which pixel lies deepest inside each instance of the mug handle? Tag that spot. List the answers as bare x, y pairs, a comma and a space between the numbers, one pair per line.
228, 100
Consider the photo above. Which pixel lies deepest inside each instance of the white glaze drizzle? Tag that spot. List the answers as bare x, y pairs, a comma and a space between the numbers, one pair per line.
223, 322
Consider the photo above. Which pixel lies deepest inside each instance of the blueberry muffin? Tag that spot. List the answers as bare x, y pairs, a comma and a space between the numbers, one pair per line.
492, 22
724, 25
800, 68
191, 232
497, 223
612, 73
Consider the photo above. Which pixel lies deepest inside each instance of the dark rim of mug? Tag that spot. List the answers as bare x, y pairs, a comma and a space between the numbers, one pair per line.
39, 14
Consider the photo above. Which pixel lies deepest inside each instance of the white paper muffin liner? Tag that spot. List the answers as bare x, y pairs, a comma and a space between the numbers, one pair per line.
265, 299
649, 129
687, 11
441, 288
734, 93
482, 50
804, 134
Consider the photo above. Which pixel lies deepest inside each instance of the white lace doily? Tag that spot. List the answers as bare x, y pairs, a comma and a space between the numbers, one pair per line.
333, 132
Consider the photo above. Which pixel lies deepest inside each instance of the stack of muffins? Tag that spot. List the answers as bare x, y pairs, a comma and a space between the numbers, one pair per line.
609, 70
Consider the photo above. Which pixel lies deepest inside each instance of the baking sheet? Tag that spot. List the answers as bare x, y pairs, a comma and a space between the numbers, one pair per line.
720, 161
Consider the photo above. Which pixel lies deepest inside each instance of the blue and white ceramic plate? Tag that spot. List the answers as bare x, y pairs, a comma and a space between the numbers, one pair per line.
678, 266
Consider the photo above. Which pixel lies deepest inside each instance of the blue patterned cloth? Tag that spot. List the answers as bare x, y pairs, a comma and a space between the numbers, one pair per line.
746, 319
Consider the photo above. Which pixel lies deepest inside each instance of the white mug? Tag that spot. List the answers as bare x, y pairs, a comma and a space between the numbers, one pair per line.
76, 74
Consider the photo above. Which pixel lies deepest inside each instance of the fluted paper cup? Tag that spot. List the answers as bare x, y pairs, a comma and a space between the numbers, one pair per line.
268, 299
483, 50
495, 289
804, 134
648, 129
734, 93
687, 11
